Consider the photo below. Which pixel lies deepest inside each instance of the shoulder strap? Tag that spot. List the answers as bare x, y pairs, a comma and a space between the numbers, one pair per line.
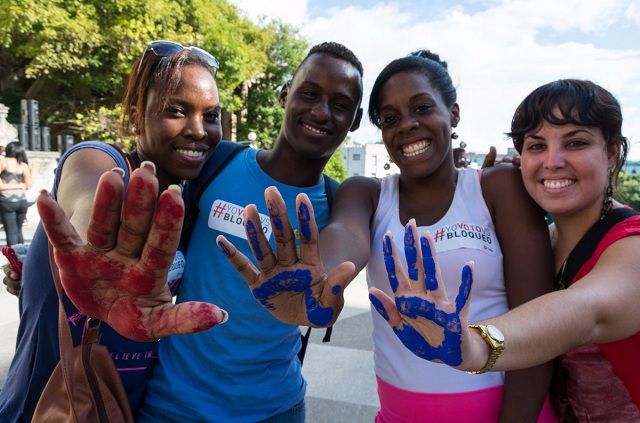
223, 154
587, 245
330, 187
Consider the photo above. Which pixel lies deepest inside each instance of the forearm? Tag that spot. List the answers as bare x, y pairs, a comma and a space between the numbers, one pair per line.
340, 242
524, 393
536, 332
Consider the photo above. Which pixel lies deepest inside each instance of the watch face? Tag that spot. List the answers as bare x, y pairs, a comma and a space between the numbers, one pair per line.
495, 333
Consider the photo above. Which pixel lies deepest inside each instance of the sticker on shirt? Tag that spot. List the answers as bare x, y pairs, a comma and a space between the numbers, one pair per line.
227, 218
464, 235
175, 272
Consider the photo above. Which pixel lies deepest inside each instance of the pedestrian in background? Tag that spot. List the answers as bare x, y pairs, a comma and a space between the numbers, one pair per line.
15, 180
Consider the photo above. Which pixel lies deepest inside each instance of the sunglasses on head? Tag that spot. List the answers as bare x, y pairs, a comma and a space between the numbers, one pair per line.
164, 48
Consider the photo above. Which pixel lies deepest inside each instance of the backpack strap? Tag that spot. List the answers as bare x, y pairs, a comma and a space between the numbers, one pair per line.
588, 244
221, 157
330, 187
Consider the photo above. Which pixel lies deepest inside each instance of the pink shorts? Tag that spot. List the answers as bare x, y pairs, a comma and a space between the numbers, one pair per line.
400, 406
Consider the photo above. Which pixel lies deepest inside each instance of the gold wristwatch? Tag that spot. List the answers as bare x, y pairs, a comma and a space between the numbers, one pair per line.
495, 339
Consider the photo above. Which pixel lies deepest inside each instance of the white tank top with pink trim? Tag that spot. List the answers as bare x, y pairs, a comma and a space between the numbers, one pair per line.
466, 232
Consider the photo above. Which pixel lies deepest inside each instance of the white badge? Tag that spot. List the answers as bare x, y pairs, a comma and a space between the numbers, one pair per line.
227, 218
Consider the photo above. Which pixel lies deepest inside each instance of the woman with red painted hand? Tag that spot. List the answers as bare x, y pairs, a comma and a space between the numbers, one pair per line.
172, 104
568, 133
413, 101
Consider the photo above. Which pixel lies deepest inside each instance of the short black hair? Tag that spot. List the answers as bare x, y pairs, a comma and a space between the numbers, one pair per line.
423, 62
338, 51
571, 101
334, 49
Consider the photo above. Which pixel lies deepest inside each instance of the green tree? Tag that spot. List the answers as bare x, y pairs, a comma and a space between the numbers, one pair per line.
629, 189
264, 113
336, 167
74, 55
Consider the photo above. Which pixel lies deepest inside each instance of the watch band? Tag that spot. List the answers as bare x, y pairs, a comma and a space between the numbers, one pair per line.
496, 346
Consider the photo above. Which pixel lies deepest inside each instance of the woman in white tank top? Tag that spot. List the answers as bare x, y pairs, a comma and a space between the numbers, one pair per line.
469, 215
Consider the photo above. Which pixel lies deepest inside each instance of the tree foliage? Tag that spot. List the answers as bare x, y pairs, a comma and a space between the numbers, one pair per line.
264, 114
629, 189
73, 56
336, 167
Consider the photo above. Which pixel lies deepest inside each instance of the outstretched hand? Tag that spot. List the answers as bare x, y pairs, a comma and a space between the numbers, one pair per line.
120, 274
293, 287
422, 316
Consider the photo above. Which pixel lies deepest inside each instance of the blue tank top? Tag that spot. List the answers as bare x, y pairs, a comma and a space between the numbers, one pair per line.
37, 351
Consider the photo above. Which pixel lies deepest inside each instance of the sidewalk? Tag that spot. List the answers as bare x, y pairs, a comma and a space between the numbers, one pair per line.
341, 383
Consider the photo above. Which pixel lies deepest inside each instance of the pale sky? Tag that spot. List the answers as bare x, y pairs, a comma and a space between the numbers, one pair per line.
497, 51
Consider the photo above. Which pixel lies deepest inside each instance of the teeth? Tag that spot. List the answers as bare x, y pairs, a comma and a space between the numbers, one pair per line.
190, 153
558, 183
415, 148
314, 130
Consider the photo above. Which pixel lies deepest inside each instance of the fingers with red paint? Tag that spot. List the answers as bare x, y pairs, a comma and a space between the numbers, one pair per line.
61, 233
105, 214
164, 235
137, 214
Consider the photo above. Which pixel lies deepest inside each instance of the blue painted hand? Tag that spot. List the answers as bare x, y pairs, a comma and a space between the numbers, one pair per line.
421, 316
293, 286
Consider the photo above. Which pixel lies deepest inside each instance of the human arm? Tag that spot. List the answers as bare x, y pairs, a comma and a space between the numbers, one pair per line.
528, 273
119, 274
348, 234
601, 307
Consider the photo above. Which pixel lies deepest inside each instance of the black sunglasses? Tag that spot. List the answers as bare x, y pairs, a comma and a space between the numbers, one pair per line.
164, 48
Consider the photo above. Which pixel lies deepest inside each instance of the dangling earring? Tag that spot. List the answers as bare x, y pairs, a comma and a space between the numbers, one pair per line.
134, 128
607, 204
454, 135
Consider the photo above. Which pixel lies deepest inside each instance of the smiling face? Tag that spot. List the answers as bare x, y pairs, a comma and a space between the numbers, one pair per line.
322, 105
180, 137
416, 124
565, 168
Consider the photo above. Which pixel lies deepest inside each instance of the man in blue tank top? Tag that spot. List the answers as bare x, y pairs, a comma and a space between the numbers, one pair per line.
247, 369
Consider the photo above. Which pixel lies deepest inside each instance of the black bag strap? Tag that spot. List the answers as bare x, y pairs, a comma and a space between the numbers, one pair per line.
330, 187
221, 157
588, 244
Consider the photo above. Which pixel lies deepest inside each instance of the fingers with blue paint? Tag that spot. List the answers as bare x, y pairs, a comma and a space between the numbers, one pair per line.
336, 282
389, 262
385, 306
238, 260
395, 272
410, 250
431, 268
464, 291
309, 250
257, 240
284, 236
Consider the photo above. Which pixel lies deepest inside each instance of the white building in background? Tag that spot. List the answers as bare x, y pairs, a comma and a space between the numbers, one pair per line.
368, 160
